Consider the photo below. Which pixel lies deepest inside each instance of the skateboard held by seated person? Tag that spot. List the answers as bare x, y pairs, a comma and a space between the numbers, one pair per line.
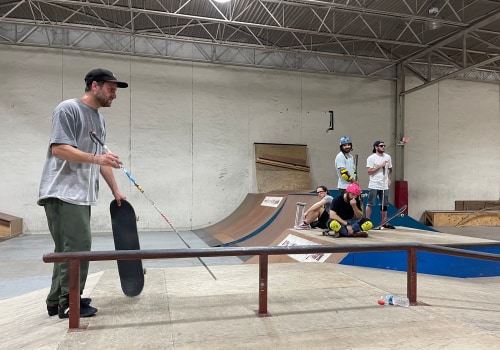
358, 228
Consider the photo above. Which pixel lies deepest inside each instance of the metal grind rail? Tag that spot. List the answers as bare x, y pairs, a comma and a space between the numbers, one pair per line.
74, 259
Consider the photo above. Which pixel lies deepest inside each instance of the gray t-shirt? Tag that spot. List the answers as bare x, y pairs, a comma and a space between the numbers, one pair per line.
76, 183
328, 199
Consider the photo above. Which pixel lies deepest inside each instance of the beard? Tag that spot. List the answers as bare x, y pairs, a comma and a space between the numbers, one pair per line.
102, 99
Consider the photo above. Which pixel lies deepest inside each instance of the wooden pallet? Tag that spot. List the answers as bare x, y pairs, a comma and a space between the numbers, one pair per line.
462, 218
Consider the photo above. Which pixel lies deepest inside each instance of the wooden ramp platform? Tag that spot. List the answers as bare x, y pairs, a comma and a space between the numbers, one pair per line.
10, 226
462, 218
255, 224
430, 263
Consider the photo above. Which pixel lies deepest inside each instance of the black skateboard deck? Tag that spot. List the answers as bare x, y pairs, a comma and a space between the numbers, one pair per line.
327, 232
397, 213
123, 222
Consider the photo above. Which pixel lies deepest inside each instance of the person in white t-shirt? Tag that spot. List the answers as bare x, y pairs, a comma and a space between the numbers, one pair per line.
379, 166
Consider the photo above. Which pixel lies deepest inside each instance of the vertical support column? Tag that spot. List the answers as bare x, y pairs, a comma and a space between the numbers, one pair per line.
74, 297
399, 159
411, 273
263, 273
74, 294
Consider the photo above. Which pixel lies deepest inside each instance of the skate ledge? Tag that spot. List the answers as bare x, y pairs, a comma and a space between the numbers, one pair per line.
10, 226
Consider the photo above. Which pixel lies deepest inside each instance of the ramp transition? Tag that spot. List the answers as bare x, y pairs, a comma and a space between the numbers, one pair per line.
255, 224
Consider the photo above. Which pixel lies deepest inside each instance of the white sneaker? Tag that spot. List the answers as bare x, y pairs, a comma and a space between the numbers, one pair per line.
302, 226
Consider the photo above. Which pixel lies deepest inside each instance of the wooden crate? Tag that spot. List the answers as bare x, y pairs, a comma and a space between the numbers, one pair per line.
477, 205
10, 226
462, 218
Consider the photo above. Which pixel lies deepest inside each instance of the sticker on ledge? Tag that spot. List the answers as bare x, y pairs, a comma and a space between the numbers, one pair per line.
271, 201
292, 240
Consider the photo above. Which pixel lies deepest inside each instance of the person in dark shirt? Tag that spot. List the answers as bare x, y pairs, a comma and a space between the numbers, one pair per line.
346, 214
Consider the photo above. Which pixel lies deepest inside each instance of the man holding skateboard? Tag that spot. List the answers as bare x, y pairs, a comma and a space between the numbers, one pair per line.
70, 181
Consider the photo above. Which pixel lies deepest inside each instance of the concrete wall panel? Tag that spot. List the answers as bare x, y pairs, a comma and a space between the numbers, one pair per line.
186, 131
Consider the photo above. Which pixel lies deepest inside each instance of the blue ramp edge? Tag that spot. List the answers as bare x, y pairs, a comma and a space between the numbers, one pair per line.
429, 263
404, 220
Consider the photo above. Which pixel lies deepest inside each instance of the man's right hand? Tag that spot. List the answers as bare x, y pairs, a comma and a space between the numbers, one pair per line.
109, 159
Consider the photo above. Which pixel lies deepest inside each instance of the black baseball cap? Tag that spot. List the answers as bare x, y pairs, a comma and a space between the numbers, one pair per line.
100, 74
375, 144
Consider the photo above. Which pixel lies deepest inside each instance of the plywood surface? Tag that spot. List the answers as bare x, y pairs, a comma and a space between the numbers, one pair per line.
462, 218
281, 167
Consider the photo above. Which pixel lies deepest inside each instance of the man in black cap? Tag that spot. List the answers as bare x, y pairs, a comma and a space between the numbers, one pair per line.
379, 166
70, 180
100, 74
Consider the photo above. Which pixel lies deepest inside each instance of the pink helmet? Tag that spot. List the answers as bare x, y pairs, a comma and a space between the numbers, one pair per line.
354, 189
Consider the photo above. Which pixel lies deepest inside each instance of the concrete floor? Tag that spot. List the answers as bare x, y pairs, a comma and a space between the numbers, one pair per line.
30, 273
312, 305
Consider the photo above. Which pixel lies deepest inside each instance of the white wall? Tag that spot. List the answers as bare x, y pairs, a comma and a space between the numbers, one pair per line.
453, 150
186, 132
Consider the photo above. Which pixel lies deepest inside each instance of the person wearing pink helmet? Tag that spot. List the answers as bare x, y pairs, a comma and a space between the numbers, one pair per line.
346, 214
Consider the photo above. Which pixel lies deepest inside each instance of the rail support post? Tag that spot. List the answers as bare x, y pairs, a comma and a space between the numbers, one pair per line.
411, 279
263, 273
74, 296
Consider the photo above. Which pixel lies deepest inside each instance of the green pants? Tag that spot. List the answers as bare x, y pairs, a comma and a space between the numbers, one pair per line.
69, 225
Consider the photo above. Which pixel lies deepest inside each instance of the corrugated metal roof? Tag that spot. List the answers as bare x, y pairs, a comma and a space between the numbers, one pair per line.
372, 30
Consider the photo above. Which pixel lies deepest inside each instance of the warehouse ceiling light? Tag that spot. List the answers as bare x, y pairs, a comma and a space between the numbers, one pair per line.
432, 25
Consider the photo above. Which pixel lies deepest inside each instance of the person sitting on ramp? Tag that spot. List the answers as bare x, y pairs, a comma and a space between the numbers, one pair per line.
317, 215
346, 215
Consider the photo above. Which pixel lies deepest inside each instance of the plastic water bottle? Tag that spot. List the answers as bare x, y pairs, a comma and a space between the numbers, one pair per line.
397, 300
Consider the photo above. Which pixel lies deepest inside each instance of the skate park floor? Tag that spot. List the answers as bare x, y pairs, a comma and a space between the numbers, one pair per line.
311, 305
